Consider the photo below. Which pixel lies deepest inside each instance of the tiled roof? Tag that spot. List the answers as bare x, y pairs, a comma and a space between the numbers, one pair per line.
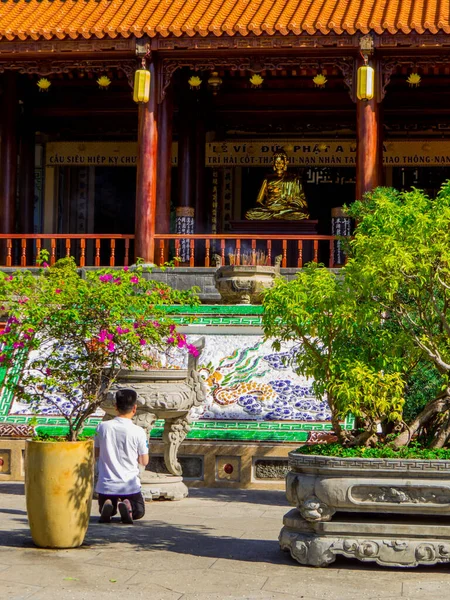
99, 18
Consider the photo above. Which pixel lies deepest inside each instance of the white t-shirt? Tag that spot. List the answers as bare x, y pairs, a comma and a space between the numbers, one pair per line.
120, 442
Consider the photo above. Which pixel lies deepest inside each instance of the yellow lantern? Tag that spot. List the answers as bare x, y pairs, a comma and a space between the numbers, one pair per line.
365, 83
141, 92
215, 82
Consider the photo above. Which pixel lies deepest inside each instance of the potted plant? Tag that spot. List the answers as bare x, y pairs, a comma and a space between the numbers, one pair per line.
75, 334
375, 338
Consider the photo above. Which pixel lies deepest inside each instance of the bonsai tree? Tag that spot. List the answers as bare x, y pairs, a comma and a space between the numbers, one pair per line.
75, 334
372, 333
345, 345
401, 260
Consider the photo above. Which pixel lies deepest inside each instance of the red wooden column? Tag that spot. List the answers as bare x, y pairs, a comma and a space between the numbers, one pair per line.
369, 156
164, 181
146, 186
8, 154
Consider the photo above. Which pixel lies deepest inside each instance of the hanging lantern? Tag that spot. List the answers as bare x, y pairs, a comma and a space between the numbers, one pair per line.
215, 82
365, 83
103, 82
320, 81
43, 84
141, 92
414, 80
194, 83
256, 80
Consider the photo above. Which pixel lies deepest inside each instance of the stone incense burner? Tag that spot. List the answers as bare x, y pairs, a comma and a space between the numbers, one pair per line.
244, 284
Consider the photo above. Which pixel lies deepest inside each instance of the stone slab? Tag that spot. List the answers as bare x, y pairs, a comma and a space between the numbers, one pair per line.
169, 544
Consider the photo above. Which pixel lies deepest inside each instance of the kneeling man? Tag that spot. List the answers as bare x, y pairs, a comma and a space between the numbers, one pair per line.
121, 446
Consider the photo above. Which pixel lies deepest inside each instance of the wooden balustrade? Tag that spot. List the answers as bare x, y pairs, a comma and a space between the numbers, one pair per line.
99, 250
294, 250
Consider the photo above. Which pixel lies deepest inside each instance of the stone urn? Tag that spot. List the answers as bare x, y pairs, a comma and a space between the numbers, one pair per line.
167, 394
390, 511
244, 284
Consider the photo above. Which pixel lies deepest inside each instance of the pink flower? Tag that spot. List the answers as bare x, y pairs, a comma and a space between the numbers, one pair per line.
126, 269
156, 324
58, 291
192, 349
23, 300
121, 331
170, 340
117, 281
6, 330
142, 342
136, 325
2, 358
48, 372
102, 336
45, 265
111, 346
172, 328
26, 336
9, 278
17, 345
105, 278
30, 330
181, 341
12, 320
109, 336
134, 279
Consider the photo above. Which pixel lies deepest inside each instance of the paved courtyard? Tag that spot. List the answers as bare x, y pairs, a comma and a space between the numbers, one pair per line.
215, 545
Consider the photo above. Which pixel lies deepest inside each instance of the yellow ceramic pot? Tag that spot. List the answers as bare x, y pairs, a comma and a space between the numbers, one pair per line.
58, 487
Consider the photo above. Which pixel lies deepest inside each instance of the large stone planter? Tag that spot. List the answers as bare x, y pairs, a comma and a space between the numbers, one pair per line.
167, 394
244, 284
393, 512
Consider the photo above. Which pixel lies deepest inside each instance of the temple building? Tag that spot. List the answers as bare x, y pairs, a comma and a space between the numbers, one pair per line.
86, 170
206, 133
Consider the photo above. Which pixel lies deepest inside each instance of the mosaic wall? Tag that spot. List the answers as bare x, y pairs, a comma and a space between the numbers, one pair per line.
253, 391
247, 380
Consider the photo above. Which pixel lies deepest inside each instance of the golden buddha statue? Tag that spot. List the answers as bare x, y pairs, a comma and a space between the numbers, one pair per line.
281, 195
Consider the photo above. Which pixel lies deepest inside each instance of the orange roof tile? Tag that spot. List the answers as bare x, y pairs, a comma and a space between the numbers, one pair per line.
89, 18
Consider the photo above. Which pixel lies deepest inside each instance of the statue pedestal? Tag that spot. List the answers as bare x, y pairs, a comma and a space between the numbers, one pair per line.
275, 226
155, 486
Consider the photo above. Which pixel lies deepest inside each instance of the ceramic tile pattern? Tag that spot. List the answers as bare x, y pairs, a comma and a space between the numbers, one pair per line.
111, 18
246, 380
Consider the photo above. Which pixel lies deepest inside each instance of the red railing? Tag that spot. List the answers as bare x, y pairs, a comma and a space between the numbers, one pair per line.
88, 249
295, 250
197, 250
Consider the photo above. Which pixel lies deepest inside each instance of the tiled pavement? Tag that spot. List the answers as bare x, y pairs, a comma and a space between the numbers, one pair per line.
215, 545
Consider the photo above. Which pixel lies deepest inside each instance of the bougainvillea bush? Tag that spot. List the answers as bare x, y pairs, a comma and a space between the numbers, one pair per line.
76, 333
376, 335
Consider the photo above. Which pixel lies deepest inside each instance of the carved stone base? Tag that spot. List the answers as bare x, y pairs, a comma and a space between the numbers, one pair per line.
388, 540
159, 485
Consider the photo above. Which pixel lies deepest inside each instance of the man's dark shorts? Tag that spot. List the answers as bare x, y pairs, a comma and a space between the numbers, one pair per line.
136, 500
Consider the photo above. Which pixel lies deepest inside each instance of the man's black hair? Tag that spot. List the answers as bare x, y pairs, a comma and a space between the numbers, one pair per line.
125, 400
